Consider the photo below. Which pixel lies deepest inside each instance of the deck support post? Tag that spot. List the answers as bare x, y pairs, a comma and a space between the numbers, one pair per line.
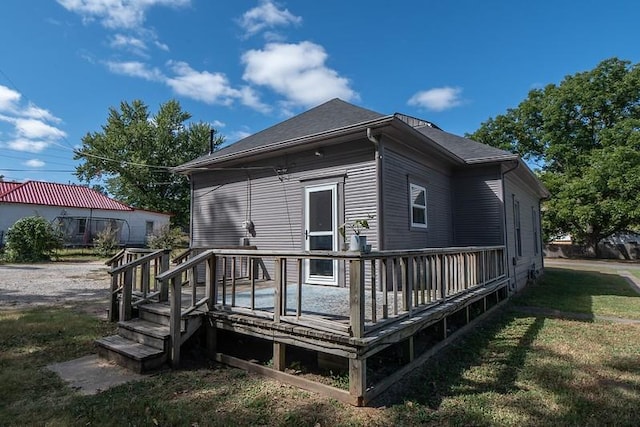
210, 281
279, 353
114, 310
164, 266
175, 320
356, 297
211, 338
125, 301
277, 294
357, 380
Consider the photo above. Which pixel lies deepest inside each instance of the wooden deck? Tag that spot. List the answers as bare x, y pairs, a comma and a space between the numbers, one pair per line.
399, 308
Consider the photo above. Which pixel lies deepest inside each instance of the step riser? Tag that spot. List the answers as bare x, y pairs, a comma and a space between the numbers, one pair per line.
138, 366
159, 318
159, 343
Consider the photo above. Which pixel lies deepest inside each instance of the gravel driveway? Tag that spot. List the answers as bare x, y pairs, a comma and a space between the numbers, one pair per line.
55, 283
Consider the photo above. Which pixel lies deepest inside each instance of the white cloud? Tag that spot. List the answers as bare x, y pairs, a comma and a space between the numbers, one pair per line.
8, 99
133, 44
211, 88
117, 14
217, 124
267, 16
34, 163
437, 99
37, 129
31, 146
30, 127
296, 71
136, 69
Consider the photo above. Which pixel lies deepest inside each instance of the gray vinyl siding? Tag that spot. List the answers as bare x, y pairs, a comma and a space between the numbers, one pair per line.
520, 266
399, 169
276, 203
478, 214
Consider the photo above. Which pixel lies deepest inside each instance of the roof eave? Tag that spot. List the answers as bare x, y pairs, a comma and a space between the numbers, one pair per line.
286, 144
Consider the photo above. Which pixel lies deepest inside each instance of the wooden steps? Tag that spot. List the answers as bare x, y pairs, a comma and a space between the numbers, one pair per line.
143, 344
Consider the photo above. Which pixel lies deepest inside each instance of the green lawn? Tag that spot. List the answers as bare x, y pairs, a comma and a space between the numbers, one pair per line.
513, 370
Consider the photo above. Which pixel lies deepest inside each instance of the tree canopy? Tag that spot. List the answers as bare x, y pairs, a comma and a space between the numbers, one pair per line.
133, 152
585, 134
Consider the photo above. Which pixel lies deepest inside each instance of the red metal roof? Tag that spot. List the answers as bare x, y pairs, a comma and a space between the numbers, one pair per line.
7, 186
52, 194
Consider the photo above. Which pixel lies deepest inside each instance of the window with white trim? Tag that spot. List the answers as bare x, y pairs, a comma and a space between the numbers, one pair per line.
418, 205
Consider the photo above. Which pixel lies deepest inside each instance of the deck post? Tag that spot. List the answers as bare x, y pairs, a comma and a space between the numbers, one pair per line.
356, 294
279, 352
125, 301
277, 297
164, 266
211, 337
357, 379
210, 281
114, 310
174, 322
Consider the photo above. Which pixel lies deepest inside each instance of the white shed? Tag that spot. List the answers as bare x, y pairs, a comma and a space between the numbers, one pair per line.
80, 212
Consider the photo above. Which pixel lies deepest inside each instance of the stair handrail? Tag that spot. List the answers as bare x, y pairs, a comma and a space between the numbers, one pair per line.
122, 279
171, 280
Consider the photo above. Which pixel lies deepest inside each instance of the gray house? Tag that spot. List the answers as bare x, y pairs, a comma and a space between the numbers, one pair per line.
454, 229
291, 186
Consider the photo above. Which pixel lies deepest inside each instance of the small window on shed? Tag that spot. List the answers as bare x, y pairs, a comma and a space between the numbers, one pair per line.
149, 228
418, 205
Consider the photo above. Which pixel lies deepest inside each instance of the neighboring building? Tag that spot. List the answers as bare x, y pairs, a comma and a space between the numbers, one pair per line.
289, 187
79, 211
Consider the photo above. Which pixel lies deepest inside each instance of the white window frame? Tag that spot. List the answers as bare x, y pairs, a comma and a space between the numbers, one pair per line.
412, 205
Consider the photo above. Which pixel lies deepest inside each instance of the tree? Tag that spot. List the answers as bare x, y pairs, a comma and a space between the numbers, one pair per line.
133, 153
585, 134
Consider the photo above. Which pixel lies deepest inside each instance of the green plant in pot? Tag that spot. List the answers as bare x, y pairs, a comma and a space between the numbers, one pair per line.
356, 242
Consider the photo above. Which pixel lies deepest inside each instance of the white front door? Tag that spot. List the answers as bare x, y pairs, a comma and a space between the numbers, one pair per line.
321, 232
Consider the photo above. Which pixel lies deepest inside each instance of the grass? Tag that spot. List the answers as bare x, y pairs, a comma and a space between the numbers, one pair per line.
584, 292
513, 370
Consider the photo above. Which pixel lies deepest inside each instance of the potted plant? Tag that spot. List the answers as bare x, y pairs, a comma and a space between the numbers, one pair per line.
357, 242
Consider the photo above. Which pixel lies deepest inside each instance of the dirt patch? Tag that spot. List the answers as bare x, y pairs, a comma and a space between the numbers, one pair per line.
82, 285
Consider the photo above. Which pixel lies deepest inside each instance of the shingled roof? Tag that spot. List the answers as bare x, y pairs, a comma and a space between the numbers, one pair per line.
52, 194
336, 115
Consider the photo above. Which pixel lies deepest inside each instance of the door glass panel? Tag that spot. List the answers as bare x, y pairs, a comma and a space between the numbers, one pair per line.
319, 243
321, 267
320, 211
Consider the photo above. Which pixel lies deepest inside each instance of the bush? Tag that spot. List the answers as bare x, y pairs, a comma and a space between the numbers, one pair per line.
32, 239
106, 241
166, 238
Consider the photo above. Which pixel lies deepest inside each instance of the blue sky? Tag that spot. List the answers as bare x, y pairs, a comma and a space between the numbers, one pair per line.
245, 65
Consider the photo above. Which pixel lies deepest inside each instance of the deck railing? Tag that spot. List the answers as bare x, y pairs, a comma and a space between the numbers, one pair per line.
380, 286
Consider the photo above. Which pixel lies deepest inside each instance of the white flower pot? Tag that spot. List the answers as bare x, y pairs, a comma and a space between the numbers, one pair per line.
357, 243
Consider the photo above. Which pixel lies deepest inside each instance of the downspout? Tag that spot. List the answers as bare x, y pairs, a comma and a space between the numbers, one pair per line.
378, 159
504, 216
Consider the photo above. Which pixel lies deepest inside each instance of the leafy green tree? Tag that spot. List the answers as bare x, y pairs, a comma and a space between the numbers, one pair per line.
32, 239
134, 151
585, 134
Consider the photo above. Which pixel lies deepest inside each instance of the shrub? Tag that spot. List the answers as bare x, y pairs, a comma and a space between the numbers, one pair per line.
166, 238
106, 241
32, 239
